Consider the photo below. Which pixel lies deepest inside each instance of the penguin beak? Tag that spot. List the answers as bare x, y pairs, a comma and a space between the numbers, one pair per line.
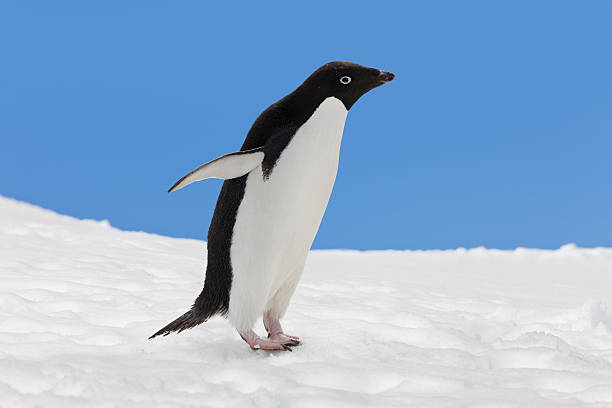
384, 77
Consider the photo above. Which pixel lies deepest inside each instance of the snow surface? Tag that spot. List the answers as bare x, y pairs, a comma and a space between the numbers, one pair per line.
457, 328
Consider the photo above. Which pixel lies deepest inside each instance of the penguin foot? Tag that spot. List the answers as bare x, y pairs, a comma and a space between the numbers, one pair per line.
282, 337
275, 331
257, 343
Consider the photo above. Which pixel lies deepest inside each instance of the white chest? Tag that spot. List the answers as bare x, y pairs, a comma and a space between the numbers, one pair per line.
306, 170
279, 217
291, 202
284, 211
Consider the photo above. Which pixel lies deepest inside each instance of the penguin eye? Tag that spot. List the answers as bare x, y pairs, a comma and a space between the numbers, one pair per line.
345, 80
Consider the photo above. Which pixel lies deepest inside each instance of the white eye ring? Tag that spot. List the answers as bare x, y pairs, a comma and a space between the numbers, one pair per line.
345, 80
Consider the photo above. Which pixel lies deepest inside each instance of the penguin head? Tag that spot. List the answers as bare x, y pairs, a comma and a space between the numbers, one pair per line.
346, 81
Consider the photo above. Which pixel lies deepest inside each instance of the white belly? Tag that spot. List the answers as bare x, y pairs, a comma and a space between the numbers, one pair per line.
279, 217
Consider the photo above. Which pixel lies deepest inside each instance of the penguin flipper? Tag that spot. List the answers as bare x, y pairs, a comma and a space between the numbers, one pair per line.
226, 167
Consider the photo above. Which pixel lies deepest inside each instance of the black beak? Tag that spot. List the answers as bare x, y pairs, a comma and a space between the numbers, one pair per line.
385, 76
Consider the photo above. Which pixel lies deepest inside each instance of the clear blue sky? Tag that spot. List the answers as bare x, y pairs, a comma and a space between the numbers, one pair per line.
497, 130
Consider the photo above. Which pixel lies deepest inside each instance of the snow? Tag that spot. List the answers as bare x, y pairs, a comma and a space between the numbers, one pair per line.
457, 328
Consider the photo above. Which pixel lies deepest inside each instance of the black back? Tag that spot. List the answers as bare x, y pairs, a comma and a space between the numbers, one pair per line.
273, 130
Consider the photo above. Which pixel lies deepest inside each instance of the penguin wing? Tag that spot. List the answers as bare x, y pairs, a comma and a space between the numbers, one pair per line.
225, 167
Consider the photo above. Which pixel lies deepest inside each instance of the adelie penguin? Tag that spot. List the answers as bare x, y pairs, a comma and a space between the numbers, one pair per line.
271, 204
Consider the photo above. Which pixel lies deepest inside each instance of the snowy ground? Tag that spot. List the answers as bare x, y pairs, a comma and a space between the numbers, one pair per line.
477, 328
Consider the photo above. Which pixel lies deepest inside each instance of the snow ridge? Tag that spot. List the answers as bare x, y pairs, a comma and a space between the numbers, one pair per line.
465, 327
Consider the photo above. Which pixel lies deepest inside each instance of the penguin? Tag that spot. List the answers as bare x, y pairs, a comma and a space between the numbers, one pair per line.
271, 204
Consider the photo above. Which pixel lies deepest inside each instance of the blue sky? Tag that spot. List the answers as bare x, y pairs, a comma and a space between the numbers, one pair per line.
497, 130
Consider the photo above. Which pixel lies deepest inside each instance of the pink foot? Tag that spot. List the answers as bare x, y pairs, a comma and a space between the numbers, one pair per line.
258, 343
275, 331
282, 337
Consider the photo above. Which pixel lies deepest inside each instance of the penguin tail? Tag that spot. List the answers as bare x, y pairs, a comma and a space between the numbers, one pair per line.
190, 319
